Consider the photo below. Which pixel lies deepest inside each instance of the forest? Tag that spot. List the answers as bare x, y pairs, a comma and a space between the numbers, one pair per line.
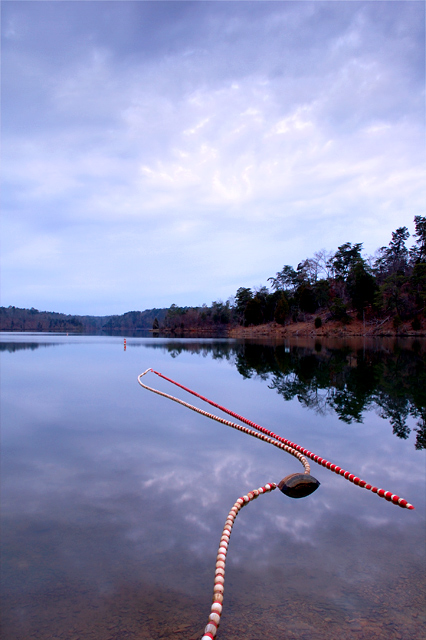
17, 319
330, 286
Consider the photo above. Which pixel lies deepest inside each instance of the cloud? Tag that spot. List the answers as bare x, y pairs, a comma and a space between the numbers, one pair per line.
213, 138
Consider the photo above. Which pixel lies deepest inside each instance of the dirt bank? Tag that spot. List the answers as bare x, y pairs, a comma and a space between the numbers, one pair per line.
329, 328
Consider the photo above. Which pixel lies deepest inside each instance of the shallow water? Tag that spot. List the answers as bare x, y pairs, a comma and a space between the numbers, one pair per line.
114, 499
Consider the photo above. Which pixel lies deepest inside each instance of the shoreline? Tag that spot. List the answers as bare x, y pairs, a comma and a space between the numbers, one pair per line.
273, 330
330, 329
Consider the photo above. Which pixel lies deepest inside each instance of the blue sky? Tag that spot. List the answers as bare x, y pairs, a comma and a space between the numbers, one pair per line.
171, 152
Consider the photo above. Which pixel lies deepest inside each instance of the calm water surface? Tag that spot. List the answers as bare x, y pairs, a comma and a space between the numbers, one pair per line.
114, 499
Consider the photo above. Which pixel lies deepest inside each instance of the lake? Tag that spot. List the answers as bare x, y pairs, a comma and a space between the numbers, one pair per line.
114, 498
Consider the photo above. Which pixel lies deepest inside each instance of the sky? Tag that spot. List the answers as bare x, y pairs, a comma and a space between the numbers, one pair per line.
172, 152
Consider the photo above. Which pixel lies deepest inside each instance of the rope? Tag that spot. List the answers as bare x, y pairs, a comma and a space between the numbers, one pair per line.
270, 437
219, 579
239, 427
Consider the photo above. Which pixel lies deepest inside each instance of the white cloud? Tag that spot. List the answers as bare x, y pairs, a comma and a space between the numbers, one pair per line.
223, 159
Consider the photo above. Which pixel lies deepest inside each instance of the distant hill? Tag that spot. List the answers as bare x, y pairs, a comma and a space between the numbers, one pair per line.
134, 320
17, 319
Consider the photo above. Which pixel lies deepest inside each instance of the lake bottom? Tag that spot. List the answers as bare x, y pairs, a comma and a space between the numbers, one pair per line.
143, 612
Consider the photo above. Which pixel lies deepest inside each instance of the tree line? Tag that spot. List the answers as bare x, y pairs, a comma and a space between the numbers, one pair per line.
339, 285
17, 319
336, 285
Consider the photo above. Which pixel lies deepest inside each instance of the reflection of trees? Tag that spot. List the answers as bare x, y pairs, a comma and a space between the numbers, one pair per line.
344, 380
396, 410
11, 347
349, 382
402, 392
218, 350
327, 381
421, 430
309, 395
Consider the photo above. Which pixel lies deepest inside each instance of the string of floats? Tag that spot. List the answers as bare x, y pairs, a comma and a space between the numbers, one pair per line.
261, 433
270, 437
211, 628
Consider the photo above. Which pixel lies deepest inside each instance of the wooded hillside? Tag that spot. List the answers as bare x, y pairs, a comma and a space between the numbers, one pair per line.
339, 286
16, 319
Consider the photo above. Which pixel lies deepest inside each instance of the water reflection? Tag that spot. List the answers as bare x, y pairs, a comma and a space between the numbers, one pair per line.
347, 377
113, 501
11, 347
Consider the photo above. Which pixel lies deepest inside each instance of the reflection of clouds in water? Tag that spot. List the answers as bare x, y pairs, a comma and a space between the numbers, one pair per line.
298, 529
195, 495
128, 487
375, 521
198, 522
8, 344
400, 470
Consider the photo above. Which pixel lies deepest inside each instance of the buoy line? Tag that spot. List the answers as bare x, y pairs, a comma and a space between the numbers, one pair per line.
295, 485
272, 438
219, 575
239, 427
